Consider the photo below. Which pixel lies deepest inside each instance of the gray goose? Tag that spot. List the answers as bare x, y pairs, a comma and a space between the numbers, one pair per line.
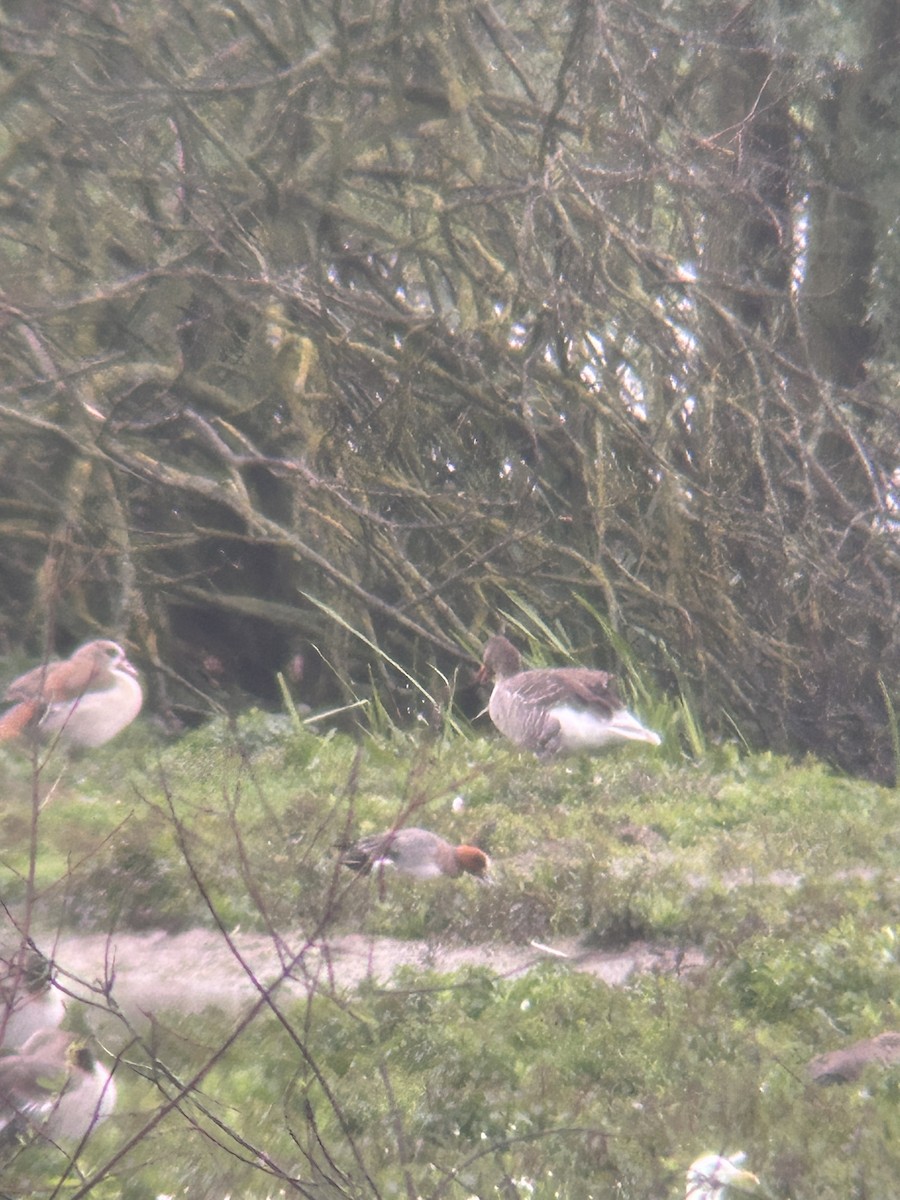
416, 852
556, 711
86, 699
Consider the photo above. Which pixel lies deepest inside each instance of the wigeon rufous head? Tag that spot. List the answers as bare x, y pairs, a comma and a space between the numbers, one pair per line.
56, 1086
715, 1177
416, 852
86, 699
556, 711
28, 999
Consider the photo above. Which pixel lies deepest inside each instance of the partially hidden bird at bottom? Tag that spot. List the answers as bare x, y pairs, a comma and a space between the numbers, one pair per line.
55, 1086
416, 852
719, 1177
29, 1001
85, 699
556, 711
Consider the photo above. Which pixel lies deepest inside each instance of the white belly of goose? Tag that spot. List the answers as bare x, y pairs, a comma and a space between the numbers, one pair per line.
581, 730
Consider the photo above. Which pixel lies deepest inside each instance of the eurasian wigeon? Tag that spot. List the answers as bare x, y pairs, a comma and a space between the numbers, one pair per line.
715, 1177
56, 1086
86, 699
556, 711
416, 852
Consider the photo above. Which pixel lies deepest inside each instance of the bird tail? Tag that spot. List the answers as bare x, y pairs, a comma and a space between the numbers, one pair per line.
628, 727
16, 720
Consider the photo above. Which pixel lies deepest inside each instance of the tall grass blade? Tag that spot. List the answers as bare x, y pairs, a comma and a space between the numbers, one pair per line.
401, 670
622, 651
738, 733
893, 726
692, 729
548, 636
288, 701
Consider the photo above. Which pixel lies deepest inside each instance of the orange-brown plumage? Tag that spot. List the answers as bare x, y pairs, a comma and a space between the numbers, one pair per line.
86, 699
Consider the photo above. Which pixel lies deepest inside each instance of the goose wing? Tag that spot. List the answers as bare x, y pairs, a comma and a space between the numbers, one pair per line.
577, 686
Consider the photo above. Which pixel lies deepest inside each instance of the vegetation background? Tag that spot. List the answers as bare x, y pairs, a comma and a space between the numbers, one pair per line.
396, 309
338, 335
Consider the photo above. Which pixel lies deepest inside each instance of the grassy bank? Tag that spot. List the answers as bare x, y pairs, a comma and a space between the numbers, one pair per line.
546, 1084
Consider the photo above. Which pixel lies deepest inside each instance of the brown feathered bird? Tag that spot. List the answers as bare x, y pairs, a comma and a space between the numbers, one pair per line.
416, 852
85, 700
556, 711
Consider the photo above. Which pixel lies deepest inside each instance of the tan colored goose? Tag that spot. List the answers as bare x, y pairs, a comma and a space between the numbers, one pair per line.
416, 852
86, 699
55, 1085
556, 711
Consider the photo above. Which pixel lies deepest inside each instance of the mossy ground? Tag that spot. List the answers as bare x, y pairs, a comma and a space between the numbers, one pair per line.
549, 1084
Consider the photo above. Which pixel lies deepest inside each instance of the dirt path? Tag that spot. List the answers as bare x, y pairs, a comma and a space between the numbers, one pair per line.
155, 972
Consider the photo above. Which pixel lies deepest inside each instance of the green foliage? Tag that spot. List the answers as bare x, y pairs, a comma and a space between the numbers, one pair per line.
842, 975
547, 1080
